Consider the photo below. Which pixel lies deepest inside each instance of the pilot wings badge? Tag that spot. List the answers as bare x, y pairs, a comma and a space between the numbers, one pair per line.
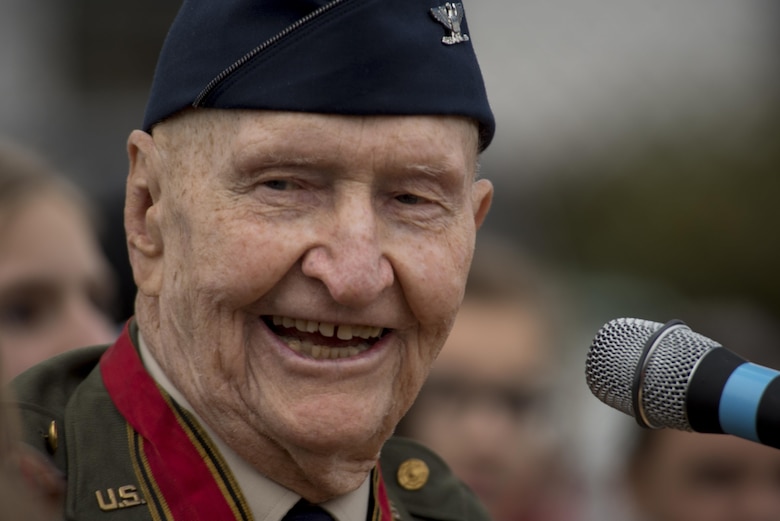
450, 15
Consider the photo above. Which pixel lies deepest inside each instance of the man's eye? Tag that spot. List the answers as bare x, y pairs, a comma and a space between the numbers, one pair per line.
409, 199
279, 184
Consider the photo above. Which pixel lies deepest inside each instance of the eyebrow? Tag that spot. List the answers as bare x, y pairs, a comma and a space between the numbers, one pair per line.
432, 170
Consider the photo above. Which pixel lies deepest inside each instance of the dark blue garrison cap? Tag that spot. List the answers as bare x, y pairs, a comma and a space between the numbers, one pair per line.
358, 57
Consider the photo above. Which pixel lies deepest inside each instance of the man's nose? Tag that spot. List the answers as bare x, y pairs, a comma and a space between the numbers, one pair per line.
349, 258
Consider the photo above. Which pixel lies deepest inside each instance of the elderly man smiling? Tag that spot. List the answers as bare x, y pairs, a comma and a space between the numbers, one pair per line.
301, 214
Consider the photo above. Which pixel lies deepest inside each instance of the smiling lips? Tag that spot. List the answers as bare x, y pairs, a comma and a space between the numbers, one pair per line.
323, 340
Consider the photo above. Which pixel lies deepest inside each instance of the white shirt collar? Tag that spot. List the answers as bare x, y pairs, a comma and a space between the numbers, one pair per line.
267, 500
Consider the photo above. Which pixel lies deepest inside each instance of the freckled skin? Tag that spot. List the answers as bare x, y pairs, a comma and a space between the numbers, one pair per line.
234, 215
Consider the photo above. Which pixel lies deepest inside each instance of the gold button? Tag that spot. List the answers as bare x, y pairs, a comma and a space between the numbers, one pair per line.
413, 474
52, 440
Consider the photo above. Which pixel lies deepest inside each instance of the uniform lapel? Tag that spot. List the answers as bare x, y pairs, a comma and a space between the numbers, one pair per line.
182, 475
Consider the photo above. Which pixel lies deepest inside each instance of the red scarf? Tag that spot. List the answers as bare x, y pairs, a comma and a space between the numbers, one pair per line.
181, 473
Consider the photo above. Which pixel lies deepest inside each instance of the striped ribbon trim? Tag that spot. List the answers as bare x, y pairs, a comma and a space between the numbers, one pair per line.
379, 508
181, 473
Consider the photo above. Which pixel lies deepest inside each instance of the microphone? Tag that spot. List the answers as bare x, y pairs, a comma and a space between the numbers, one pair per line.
665, 375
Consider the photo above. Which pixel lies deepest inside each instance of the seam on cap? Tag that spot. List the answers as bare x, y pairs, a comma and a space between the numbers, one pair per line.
303, 23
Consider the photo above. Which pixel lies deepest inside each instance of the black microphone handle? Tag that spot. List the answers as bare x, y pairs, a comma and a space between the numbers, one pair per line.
727, 394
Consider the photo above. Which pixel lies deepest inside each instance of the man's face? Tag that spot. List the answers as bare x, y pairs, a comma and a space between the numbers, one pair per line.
305, 270
709, 477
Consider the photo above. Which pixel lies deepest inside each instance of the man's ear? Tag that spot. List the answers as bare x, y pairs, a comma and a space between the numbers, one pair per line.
142, 213
482, 198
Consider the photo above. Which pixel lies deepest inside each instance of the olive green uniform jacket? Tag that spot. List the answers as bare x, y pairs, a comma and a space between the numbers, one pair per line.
116, 473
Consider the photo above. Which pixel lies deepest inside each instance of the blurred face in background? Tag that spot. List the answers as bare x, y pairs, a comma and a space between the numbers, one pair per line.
684, 476
482, 407
55, 284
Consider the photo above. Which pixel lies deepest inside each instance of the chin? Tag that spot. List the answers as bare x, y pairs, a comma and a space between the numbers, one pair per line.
333, 473
322, 487
339, 424
360, 442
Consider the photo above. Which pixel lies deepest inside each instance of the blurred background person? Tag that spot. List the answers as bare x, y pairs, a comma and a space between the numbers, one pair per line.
30, 488
56, 287
488, 405
684, 476
17, 497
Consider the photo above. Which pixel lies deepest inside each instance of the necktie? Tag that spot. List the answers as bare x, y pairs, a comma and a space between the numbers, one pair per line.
305, 511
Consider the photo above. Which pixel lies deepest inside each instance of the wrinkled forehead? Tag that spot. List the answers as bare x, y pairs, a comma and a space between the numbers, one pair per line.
207, 135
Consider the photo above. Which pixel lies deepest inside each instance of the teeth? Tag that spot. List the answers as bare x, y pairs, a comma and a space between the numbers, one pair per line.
342, 332
320, 352
326, 329
366, 332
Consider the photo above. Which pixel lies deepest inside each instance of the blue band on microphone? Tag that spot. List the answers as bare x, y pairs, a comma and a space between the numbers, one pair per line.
741, 397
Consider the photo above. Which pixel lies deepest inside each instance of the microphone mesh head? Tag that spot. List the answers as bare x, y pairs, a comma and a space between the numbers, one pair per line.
614, 359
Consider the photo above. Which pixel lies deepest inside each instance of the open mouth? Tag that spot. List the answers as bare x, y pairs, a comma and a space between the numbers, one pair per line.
323, 340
